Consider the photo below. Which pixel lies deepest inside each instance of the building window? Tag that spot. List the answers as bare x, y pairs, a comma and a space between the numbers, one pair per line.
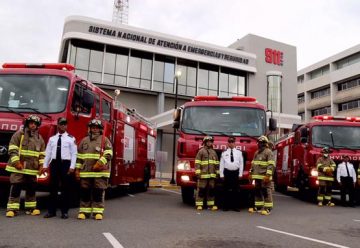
301, 98
274, 98
321, 111
187, 81
353, 59
302, 115
300, 79
320, 93
231, 82
349, 84
164, 70
319, 72
349, 105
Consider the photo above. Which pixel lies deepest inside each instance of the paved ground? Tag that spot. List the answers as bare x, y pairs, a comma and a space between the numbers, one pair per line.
158, 218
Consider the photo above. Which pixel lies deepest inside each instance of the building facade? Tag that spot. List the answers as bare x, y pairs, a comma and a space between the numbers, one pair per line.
143, 64
331, 86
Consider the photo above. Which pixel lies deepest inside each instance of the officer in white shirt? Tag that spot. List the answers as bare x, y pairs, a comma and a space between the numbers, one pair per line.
60, 156
346, 178
231, 169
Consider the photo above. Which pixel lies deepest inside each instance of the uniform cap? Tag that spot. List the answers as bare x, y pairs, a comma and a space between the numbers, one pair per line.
263, 139
325, 150
62, 120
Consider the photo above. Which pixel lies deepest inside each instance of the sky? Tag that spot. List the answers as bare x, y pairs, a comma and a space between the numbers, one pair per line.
31, 30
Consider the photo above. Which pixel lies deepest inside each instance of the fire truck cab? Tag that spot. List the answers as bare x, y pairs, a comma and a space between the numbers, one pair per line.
297, 152
54, 90
221, 117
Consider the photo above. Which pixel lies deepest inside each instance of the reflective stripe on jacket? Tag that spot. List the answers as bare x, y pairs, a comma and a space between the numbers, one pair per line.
263, 164
323, 164
207, 163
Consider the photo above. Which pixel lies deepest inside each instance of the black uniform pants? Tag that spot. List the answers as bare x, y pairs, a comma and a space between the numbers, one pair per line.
231, 188
60, 180
347, 186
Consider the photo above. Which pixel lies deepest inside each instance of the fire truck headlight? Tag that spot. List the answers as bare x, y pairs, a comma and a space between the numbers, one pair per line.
253, 182
42, 176
317, 182
185, 178
314, 173
183, 165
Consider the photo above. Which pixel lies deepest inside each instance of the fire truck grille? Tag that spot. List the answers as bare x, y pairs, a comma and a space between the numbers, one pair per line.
4, 146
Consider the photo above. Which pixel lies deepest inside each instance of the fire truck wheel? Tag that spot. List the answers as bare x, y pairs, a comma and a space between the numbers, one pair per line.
144, 185
187, 194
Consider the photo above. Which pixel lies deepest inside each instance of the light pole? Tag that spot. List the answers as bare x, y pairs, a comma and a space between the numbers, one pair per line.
176, 78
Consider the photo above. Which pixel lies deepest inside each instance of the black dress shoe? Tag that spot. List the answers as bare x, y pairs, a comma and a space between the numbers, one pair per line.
236, 209
49, 215
64, 216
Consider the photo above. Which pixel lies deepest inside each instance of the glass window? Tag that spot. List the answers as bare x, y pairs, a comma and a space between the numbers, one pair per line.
77, 100
274, 93
169, 73
97, 106
106, 106
213, 80
145, 84
95, 77
158, 86
82, 58
109, 79
121, 64
134, 67
202, 92
110, 63
159, 71
72, 54
96, 60
134, 82
203, 78
191, 76
224, 82
233, 84
31, 93
190, 91
146, 68
241, 81
82, 74
120, 80
168, 88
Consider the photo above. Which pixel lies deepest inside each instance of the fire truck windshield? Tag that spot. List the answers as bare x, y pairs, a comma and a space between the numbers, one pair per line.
220, 120
336, 136
33, 93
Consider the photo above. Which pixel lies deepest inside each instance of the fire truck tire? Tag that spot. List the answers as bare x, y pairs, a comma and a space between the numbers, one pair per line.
187, 194
278, 187
144, 185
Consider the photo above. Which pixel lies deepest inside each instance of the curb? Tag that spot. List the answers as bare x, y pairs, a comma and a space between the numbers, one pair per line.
165, 184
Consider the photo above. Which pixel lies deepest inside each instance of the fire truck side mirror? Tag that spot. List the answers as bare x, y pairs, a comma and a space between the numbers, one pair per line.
176, 118
272, 124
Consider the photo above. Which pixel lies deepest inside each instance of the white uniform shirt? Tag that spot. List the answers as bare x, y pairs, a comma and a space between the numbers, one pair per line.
68, 149
225, 161
341, 171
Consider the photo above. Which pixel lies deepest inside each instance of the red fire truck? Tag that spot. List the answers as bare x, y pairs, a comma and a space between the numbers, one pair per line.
297, 152
54, 90
221, 117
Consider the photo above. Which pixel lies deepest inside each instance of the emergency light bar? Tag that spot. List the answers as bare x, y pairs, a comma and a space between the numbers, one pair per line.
230, 98
55, 66
337, 118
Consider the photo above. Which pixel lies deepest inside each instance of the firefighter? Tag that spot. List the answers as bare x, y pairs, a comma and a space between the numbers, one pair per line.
206, 170
262, 168
93, 171
326, 167
26, 151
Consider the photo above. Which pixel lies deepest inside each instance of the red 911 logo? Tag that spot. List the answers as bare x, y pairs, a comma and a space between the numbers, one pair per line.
273, 56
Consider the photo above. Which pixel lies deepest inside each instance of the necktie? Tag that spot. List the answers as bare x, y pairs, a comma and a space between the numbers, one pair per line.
58, 148
231, 156
347, 169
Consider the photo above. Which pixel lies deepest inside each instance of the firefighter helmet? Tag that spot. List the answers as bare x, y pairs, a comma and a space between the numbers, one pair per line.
208, 138
263, 139
96, 123
32, 118
325, 150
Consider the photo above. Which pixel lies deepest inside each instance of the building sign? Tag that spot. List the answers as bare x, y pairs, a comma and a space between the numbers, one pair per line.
166, 43
273, 56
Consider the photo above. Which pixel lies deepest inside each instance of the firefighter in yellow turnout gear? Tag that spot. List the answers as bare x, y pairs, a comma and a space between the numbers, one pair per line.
326, 167
206, 170
93, 170
27, 152
262, 168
